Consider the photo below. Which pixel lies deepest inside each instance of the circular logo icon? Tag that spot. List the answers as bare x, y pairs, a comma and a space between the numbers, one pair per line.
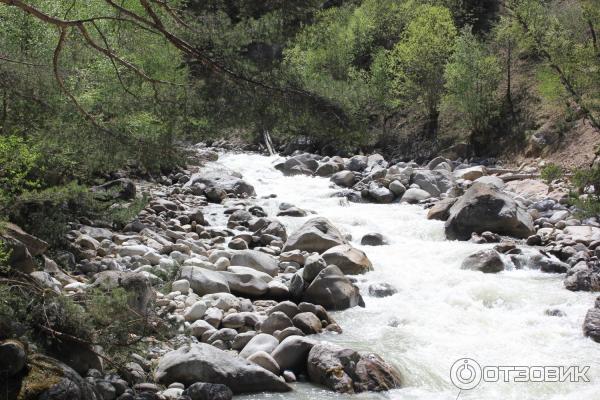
465, 373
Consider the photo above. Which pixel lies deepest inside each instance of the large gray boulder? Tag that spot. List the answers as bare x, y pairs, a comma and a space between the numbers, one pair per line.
350, 260
244, 284
222, 181
204, 281
257, 260
343, 178
333, 290
485, 208
316, 235
347, 371
202, 362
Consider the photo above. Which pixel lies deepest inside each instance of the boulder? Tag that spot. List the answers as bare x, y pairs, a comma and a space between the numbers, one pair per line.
203, 281
13, 357
222, 181
484, 208
266, 361
276, 321
316, 235
488, 261
471, 173
202, 362
260, 342
327, 169
308, 323
343, 178
591, 324
245, 284
333, 290
380, 194
347, 371
50, 379
257, 260
292, 352
413, 196
397, 188
208, 391
348, 259
427, 181
441, 209
373, 239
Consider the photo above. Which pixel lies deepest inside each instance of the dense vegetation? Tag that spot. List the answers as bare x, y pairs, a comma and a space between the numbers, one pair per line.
87, 88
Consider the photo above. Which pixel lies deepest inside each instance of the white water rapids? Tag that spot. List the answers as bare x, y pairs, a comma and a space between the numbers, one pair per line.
440, 313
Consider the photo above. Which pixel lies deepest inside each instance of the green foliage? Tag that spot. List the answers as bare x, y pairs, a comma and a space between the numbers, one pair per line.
121, 215
419, 59
587, 198
472, 77
551, 172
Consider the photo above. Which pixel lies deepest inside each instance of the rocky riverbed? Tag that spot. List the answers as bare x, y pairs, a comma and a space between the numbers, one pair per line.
311, 276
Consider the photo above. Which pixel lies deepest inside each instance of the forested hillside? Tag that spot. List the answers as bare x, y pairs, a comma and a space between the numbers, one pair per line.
89, 88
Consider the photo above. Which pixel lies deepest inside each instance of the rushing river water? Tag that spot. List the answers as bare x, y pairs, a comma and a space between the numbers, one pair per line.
440, 313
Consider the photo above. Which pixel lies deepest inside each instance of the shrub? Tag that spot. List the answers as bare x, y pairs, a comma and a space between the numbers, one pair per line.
551, 172
587, 185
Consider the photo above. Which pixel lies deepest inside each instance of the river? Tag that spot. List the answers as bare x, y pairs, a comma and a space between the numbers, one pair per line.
440, 313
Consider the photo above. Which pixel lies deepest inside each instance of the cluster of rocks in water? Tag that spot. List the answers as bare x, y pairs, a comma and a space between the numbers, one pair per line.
530, 221
246, 302
249, 298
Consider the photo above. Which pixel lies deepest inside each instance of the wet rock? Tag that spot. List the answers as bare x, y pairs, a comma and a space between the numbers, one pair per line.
313, 266
333, 290
488, 261
204, 363
343, 178
483, 208
373, 239
380, 194
316, 235
591, 324
347, 371
382, 289
308, 323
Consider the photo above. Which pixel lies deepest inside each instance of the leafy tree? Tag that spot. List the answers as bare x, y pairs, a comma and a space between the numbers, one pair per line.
472, 76
419, 59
